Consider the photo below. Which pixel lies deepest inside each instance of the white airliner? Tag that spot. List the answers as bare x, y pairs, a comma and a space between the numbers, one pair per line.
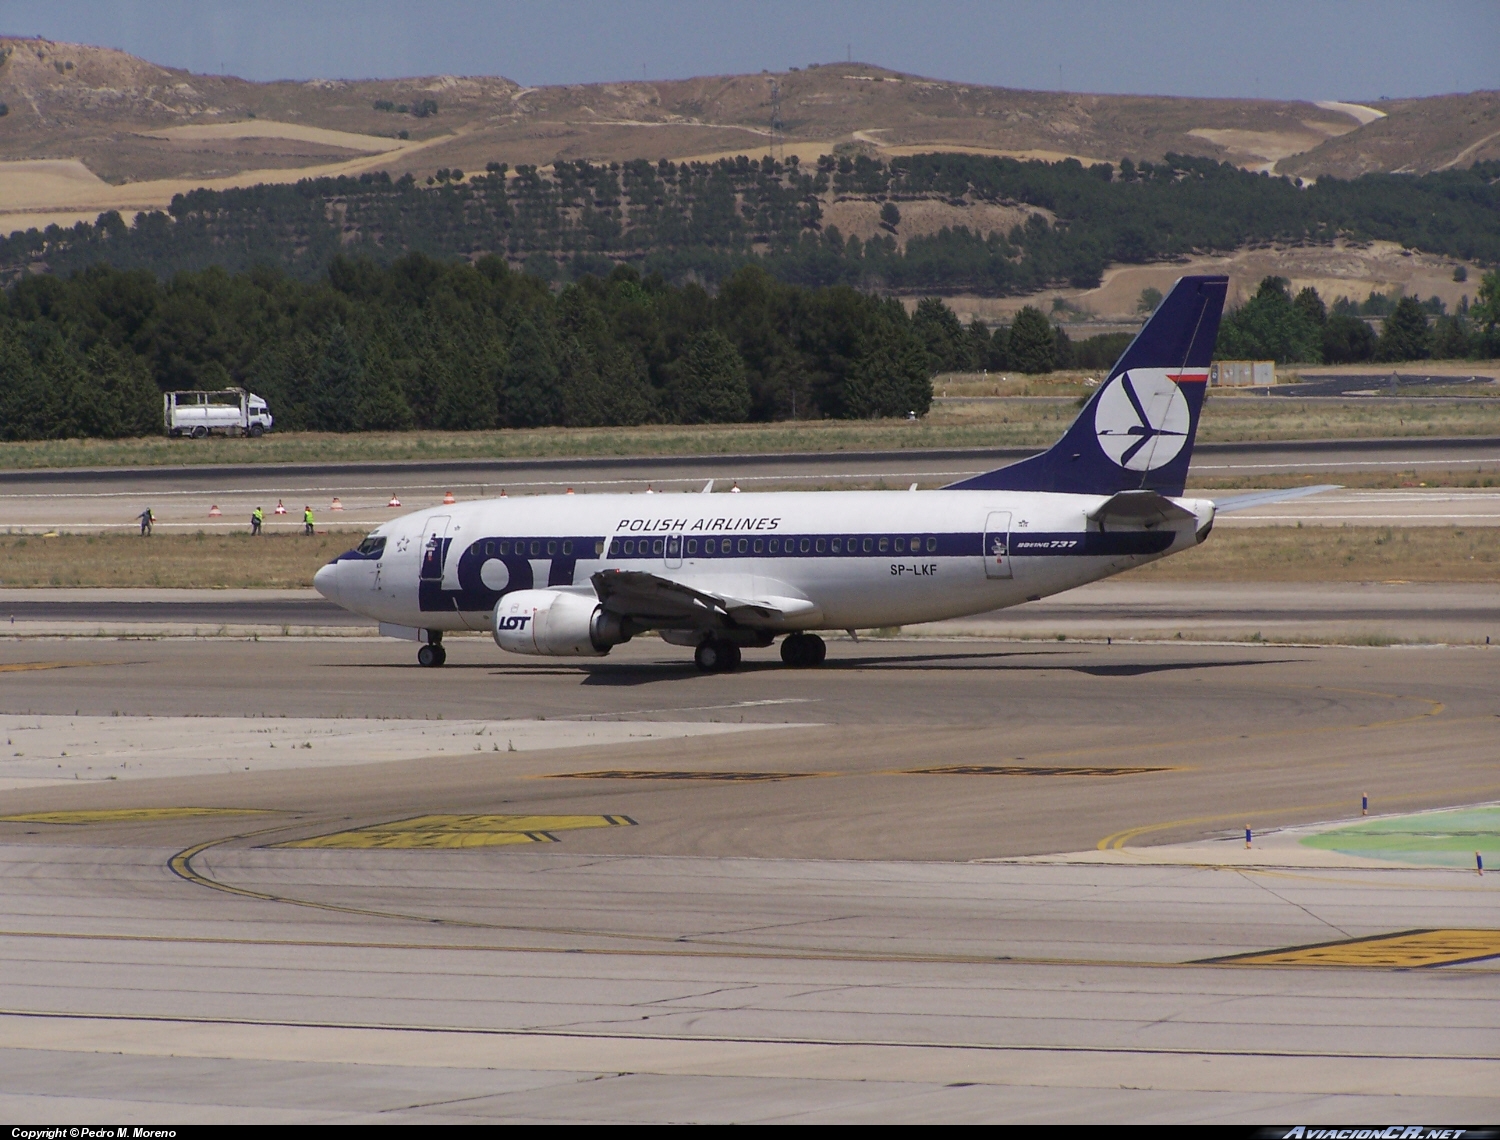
575, 575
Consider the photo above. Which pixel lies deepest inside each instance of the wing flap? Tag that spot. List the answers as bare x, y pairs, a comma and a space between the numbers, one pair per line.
656, 600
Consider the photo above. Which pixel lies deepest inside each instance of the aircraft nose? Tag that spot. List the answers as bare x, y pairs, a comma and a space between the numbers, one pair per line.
326, 582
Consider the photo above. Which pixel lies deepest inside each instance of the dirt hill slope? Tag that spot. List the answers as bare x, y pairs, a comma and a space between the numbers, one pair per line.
109, 108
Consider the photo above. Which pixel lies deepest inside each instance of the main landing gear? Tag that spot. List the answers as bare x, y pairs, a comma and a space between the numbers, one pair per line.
432, 655
717, 656
803, 650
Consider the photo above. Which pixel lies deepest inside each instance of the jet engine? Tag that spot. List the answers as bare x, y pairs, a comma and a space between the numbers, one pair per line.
552, 623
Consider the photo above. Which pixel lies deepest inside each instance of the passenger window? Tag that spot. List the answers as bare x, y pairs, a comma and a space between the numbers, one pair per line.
598, 548
760, 545
628, 546
568, 546
820, 546
708, 546
931, 543
551, 549
656, 547
775, 545
901, 546
835, 546
916, 543
744, 546
869, 545
692, 546
504, 546
536, 547
804, 546
885, 544
489, 549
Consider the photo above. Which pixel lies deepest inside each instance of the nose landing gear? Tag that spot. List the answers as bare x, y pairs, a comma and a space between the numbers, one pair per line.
803, 650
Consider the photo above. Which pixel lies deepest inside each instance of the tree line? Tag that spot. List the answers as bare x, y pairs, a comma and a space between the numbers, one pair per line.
1274, 325
702, 222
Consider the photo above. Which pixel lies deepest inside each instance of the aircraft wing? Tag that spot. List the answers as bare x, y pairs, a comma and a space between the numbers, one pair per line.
1266, 498
658, 600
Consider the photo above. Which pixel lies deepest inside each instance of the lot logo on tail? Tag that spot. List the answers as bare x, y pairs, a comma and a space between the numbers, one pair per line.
1142, 419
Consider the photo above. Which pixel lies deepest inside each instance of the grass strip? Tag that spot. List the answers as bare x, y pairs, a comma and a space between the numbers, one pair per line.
985, 423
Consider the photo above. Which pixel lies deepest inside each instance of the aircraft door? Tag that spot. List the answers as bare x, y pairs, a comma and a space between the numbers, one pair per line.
997, 545
434, 545
674, 551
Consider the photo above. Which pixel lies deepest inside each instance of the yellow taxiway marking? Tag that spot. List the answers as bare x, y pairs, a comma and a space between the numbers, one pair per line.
445, 831
125, 815
670, 774
37, 666
1029, 770
1409, 948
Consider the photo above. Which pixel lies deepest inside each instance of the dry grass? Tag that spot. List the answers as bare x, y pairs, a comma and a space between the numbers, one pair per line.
1342, 554
1268, 554
980, 423
178, 561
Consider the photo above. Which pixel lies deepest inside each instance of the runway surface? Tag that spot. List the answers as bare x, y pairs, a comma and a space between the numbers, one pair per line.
182, 497
796, 920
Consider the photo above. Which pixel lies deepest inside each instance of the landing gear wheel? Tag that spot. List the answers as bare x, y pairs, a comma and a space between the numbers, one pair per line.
442, 655
803, 650
717, 656
730, 655
431, 656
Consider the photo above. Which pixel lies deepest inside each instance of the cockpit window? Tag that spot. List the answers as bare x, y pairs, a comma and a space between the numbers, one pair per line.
373, 546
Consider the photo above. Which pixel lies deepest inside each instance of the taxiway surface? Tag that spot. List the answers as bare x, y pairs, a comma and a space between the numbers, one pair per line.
801, 919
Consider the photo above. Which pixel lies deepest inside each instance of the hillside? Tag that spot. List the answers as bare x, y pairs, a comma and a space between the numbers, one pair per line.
90, 129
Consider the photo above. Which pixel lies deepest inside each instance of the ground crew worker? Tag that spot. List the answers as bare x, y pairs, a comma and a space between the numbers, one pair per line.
307, 520
147, 519
257, 516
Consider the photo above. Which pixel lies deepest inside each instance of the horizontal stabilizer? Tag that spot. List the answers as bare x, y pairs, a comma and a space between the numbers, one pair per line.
1266, 498
1139, 508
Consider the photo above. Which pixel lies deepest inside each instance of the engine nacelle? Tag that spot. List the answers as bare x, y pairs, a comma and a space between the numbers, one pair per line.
551, 623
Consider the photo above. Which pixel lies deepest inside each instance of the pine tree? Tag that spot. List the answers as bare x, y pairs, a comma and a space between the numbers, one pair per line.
532, 396
710, 384
338, 384
1031, 345
1405, 335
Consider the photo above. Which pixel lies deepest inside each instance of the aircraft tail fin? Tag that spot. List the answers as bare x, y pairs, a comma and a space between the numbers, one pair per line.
1136, 432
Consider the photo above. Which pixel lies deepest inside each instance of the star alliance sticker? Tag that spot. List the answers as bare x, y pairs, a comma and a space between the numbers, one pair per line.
403, 543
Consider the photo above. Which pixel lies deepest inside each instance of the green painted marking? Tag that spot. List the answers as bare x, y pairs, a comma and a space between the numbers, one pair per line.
1427, 839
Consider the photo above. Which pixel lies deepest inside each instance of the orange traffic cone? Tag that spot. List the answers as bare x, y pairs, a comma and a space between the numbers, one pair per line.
337, 506
280, 508
448, 498
214, 512
395, 502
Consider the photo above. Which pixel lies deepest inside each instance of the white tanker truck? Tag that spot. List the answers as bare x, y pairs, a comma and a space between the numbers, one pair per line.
230, 411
